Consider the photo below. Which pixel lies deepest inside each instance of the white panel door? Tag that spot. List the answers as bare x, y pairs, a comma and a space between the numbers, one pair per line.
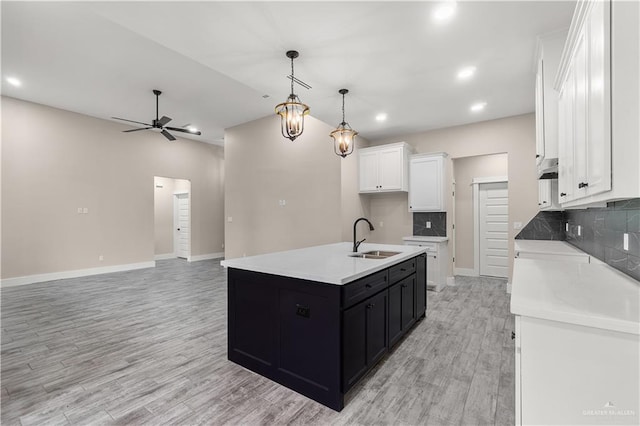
182, 224
494, 229
368, 171
390, 169
425, 184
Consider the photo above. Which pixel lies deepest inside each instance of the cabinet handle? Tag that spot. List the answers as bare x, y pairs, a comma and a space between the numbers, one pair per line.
367, 285
537, 155
369, 306
538, 203
544, 202
563, 194
402, 270
404, 285
513, 335
583, 185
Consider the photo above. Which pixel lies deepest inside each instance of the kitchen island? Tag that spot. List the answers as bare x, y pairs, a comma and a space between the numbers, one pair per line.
316, 320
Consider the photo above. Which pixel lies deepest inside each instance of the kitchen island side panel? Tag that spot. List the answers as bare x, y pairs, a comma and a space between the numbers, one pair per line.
287, 330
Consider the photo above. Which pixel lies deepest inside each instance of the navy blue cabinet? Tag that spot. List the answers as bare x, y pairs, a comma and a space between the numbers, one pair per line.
319, 339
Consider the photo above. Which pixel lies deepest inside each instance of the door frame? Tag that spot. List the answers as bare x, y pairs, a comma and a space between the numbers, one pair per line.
175, 223
476, 182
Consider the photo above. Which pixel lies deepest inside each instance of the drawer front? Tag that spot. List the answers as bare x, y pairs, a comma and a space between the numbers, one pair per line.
404, 269
368, 286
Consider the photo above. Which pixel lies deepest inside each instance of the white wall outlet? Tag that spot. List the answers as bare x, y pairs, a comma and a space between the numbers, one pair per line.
381, 224
579, 230
625, 242
566, 227
79, 210
428, 225
222, 245
85, 210
517, 225
101, 258
230, 219
282, 203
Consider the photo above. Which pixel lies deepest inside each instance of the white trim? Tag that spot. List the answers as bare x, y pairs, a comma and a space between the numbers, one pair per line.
164, 256
31, 279
199, 257
182, 193
466, 272
451, 281
491, 179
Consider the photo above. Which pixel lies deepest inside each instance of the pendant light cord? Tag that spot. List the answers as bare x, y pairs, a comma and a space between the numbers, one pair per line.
292, 77
343, 109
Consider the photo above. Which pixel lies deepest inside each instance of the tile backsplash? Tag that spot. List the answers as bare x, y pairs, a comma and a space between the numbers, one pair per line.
438, 224
597, 231
544, 226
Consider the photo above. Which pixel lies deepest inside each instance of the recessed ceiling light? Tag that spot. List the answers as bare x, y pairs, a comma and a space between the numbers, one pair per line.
466, 73
478, 106
14, 81
381, 117
444, 11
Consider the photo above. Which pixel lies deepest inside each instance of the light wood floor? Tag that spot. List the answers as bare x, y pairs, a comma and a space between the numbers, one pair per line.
149, 347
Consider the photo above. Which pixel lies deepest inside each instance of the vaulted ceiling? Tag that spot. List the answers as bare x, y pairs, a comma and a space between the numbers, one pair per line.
221, 64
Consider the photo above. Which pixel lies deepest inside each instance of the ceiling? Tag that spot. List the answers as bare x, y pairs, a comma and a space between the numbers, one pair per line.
215, 61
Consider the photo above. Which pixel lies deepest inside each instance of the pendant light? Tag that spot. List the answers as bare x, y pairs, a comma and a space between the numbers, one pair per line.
292, 111
344, 136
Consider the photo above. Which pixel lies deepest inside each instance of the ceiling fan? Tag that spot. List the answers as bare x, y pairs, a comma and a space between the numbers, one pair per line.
159, 123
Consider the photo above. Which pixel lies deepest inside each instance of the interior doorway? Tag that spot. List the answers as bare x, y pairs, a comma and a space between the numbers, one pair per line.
172, 218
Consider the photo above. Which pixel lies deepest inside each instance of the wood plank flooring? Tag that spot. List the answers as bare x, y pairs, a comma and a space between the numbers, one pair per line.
148, 347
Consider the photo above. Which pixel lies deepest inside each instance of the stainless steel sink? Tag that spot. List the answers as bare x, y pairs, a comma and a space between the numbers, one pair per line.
382, 253
375, 254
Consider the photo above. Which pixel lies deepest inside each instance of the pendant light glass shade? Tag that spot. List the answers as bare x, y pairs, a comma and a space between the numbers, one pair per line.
344, 137
292, 111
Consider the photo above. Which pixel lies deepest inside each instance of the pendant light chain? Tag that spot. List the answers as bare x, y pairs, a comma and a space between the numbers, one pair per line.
292, 76
343, 109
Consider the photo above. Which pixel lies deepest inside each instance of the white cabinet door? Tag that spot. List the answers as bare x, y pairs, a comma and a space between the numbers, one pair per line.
369, 171
598, 106
433, 270
426, 183
566, 142
390, 169
539, 114
544, 193
580, 119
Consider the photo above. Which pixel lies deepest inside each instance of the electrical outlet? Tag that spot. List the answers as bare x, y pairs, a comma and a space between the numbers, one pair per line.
222, 245
101, 258
517, 225
625, 242
79, 210
579, 231
85, 210
566, 227
230, 219
381, 224
428, 225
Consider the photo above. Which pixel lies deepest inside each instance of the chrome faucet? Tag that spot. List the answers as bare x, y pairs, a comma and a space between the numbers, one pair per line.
356, 243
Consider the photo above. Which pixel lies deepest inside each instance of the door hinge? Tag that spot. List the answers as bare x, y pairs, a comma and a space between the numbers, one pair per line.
454, 260
453, 226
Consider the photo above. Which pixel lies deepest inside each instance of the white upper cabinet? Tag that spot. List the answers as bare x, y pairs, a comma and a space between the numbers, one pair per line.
598, 84
426, 182
549, 49
384, 168
548, 194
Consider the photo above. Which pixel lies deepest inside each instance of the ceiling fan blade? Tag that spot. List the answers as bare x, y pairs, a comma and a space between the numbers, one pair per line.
135, 130
177, 129
131, 121
168, 135
164, 120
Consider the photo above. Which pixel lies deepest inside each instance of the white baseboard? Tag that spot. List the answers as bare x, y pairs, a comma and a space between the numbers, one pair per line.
467, 272
509, 287
451, 281
165, 256
206, 256
31, 279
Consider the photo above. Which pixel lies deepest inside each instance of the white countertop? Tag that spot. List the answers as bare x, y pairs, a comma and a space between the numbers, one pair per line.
592, 295
328, 263
426, 239
547, 247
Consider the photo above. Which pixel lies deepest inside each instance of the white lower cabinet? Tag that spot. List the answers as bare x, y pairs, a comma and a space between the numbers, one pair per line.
437, 260
572, 374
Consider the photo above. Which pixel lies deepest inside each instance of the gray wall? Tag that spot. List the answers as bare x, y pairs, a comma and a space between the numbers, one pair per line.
54, 161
